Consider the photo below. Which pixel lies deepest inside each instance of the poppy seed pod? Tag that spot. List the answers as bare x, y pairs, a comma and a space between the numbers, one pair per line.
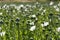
1, 22
17, 20
50, 14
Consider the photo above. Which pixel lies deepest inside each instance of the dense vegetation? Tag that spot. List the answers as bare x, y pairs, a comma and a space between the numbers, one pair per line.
36, 21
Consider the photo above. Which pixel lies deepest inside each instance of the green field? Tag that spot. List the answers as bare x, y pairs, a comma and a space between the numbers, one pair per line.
30, 21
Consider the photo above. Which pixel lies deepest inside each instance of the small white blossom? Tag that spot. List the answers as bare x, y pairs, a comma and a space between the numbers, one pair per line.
55, 6
51, 3
40, 8
13, 10
32, 28
17, 7
1, 13
21, 5
42, 25
7, 6
26, 9
58, 29
32, 23
44, 10
36, 19
59, 18
34, 6
28, 5
4, 6
45, 24
33, 16
57, 9
2, 33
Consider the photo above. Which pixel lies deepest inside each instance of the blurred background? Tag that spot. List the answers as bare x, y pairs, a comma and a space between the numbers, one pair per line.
26, 0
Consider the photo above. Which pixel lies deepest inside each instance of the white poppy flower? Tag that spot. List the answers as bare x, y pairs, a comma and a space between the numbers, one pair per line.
33, 16
57, 9
4, 6
21, 5
44, 10
42, 25
45, 24
32, 23
36, 19
2, 33
1, 13
13, 10
34, 6
58, 29
59, 18
17, 7
40, 8
55, 6
28, 5
26, 9
32, 28
51, 3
